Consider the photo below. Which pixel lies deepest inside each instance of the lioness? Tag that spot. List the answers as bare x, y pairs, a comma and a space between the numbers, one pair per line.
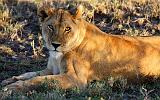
86, 53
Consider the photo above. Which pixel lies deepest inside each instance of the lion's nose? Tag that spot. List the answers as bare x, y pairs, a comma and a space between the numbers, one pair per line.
55, 45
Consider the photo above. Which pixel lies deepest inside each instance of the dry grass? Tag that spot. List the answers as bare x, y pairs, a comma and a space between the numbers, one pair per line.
21, 43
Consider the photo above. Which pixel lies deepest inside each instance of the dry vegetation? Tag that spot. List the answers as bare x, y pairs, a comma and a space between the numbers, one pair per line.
21, 44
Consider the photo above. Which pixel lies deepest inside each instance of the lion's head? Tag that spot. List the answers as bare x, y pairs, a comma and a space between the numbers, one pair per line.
62, 30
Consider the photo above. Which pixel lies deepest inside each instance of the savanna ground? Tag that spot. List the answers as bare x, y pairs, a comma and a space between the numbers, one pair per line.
21, 45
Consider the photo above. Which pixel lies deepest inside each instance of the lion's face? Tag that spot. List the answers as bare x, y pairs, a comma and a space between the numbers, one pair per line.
62, 31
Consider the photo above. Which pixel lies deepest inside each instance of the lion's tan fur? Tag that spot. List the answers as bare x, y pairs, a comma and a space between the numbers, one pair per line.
95, 55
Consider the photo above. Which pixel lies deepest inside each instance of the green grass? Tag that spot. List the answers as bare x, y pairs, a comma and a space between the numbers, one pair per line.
99, 90
21, 45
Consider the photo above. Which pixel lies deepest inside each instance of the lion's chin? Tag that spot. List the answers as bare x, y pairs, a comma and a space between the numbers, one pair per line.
55, 53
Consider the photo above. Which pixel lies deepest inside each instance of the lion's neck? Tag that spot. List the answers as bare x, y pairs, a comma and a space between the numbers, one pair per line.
94, 40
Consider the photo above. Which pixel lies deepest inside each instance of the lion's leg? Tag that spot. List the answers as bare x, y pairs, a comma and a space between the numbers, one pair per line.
53, 67
63, 81
26, 76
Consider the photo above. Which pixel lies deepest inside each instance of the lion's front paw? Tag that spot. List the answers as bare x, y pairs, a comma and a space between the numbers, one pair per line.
10, 89
14, 87
8, 81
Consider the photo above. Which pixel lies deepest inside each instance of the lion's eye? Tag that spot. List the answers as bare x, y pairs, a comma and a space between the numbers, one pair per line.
68, 29
50, 27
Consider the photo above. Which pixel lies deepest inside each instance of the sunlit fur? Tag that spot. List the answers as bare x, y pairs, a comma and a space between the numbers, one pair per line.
90, 54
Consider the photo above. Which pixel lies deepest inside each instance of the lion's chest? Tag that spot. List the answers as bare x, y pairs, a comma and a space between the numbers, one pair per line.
54, 62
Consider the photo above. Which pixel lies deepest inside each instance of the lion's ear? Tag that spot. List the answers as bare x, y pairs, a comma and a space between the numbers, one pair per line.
45, 11
77, 12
